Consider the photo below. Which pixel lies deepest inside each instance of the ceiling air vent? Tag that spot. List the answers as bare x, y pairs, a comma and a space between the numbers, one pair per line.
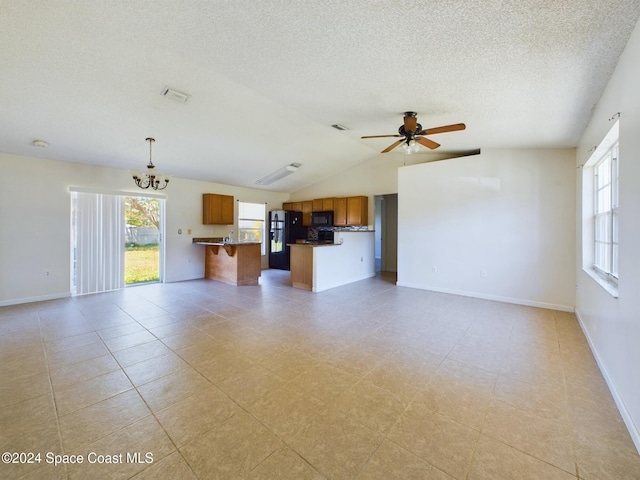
174, 95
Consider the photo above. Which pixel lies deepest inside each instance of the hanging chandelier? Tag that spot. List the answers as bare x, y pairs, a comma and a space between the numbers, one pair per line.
152, 178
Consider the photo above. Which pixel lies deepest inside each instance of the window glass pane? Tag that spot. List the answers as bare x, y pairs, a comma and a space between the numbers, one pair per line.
604, 199
249, 231
604, 173
251, 223
600, 228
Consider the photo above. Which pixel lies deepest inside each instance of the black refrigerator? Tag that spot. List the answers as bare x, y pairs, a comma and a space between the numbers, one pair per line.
284, 227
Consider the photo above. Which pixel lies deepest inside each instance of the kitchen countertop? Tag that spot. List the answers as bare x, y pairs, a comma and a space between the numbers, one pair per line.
314, 244
219, 241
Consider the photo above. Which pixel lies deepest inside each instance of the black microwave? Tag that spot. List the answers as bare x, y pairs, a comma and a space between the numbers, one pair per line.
322, 219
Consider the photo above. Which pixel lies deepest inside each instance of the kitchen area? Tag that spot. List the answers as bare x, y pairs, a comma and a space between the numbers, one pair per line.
323, 243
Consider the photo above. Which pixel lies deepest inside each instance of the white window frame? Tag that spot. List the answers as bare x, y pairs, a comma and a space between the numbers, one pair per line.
601, 215
605, 214
263, 221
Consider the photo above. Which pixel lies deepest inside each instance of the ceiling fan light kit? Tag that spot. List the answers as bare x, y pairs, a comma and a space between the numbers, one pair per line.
410, 147
150, 179
412, 135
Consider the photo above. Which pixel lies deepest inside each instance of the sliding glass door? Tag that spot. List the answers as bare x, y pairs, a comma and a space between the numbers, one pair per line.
142, 243
116, 240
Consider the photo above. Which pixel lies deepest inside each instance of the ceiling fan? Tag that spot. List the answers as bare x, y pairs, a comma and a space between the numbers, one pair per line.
412, 134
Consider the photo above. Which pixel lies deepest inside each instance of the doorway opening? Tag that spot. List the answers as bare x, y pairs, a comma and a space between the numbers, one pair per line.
386, 236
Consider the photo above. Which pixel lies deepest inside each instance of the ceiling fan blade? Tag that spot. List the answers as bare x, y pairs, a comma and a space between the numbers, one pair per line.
443, 129
381, 136
392, 146
410, 123
427, 143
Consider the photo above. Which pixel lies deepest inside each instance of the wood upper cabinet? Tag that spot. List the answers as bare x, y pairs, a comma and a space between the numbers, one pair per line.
357, 210
347, 211
324, 204
297, 206
340, 212
217, 209
307, 208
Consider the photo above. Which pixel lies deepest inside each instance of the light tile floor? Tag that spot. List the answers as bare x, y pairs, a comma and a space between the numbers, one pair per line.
366, 381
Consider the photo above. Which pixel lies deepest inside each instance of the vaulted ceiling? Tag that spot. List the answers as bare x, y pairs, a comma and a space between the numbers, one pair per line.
266, 80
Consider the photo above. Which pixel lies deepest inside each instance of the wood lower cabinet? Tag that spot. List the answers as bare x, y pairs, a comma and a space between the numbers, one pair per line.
217, 209
301, 267
357, 210
236, 264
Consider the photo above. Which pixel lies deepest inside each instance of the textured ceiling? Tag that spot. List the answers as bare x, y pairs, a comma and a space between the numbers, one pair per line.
267, 79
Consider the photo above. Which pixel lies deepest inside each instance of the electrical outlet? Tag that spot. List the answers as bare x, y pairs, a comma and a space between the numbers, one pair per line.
434, 269
483, 273
179, 231
188, 231
47, 273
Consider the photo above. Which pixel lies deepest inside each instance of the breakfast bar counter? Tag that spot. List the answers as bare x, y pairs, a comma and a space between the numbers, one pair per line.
236, 263
318, 267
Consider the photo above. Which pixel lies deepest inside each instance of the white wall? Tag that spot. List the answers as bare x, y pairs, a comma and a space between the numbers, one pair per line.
339, 265
35, 222
612, 325
509, 213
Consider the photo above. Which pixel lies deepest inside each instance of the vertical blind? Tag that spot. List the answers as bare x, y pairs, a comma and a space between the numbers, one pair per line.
98, 234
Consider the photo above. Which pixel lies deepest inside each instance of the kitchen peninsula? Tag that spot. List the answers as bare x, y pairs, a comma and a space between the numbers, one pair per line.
236, 263
318, 267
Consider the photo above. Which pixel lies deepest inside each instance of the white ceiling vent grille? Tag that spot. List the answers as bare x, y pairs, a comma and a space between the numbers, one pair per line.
174, 95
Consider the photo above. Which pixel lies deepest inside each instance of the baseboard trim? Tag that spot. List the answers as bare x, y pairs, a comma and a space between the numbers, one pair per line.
626, 417
497, 298
41, 298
